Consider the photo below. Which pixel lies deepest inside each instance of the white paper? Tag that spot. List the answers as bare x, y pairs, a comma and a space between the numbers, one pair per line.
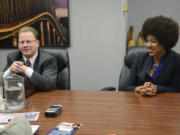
6, 117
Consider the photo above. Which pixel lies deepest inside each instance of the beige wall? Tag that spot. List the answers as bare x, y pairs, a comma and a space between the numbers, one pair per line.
97, 48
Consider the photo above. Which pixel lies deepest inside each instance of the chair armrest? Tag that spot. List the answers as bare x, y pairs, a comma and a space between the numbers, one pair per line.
110, 88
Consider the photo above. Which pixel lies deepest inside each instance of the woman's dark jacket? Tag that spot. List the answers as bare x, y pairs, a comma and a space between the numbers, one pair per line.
168, 79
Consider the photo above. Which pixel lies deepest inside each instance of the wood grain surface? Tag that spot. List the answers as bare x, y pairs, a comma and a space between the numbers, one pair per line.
105, 112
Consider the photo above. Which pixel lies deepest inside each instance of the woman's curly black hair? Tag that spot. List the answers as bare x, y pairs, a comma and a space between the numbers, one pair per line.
164, 29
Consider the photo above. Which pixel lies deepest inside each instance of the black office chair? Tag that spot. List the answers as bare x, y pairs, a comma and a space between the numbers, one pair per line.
132, 52
63, 75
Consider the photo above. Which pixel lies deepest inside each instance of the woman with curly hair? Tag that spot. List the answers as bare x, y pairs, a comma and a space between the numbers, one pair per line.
157, 70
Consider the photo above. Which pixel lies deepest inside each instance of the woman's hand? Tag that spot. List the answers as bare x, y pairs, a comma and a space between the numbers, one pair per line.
138, 88
148, 89
12, 120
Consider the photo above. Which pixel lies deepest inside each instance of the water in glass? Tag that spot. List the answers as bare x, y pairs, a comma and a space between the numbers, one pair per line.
14, 92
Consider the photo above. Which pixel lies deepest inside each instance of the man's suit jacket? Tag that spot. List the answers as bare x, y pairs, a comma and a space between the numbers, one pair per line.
45, 69
168, 79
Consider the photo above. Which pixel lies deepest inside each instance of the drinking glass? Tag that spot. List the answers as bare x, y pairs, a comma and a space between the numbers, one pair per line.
14, 92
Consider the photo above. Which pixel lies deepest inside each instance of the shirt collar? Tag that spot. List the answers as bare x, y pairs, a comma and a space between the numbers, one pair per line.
32, 59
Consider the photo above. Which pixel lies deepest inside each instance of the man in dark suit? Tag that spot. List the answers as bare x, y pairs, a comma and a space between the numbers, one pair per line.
37, 66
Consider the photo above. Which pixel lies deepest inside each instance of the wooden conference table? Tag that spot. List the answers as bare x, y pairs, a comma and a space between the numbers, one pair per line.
103, 112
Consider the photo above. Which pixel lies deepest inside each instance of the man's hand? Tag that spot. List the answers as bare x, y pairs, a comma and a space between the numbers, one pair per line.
18, 67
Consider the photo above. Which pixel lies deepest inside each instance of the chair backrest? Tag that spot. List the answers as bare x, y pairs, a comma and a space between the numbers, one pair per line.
132, 52
63, 75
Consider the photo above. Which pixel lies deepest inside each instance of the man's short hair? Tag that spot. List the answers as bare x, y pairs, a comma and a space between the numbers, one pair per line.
27, 28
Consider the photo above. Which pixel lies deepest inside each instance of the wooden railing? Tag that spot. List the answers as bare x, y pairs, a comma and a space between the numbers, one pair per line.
40, 14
